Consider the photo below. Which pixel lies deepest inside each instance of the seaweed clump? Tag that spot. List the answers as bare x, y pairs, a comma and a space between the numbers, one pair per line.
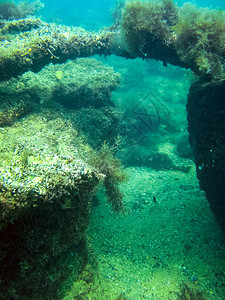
147, 27
9, 10
105, 162
190, 294
200, 39
189, 36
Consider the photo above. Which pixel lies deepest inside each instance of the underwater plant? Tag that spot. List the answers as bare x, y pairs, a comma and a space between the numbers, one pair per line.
189, 36
117, 11
9, 10
113, 173
147, 27
190, 294
200, 39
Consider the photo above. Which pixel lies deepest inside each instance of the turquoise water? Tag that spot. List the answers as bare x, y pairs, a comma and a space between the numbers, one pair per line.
95, 14
99, 192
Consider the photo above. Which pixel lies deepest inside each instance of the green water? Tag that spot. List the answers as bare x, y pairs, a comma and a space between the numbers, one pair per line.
99, 197
166, 244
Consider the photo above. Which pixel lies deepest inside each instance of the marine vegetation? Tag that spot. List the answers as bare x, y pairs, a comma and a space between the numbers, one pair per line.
190, 294
147, 27
185, 36
9, 10
189, 36
113, 173
200, 39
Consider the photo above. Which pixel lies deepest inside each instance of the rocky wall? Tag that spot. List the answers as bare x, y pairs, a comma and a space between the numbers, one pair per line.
206, 125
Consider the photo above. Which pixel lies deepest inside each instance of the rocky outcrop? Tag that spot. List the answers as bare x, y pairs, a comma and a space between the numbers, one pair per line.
206, 120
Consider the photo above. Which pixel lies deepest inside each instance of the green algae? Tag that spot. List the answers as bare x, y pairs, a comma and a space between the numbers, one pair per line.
111, 168
147, 26
39, 162
83, 83
10, 10
200, 39
189, 36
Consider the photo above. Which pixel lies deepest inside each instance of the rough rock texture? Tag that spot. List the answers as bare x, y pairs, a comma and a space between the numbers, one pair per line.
46, 181
206, 119
188, 37
45, 192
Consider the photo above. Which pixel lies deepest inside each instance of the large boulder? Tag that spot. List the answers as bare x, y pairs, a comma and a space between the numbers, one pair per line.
45, 192
206, 120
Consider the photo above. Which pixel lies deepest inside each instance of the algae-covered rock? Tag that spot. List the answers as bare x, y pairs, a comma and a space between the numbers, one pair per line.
79, 83
40, 161
14, 110
200, 39
84, 83
32, 44
97, 125
45, 192
187, 36
147, 29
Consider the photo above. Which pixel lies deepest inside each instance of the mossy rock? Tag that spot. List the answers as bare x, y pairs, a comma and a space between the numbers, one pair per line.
45, 192
40, 161
187, 36
200, 39
75, 84
97, 125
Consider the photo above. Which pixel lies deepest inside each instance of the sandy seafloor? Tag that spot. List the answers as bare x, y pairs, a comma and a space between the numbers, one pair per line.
156, 250
171, 248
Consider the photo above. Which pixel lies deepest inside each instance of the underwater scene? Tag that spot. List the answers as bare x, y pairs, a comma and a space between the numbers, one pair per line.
112, 150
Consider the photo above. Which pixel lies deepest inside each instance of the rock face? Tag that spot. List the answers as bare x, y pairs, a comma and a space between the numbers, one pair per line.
206, 119
46, 181
45, 191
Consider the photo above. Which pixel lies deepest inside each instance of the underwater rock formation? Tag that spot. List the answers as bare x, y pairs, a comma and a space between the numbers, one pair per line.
206, 119
45, 192
82, 86
31, 44
185, 36
43, 169
188, 37
49, 173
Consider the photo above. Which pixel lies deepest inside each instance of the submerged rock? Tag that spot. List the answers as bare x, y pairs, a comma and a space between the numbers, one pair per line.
45, 192
206, 119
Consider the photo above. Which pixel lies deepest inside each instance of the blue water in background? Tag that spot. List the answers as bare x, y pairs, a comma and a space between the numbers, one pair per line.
93, 15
